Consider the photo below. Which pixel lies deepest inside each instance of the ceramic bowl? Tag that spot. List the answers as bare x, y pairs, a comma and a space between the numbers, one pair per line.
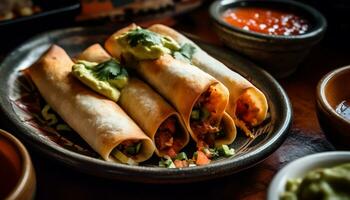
300, 167
280, 55
332, 89
17, 176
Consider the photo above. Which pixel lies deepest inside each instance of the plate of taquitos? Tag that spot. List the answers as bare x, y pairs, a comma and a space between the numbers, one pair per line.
169, 105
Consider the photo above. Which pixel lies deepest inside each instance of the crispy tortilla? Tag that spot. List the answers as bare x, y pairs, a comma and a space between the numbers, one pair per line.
142, 103
180, 83
98, 120
238, 86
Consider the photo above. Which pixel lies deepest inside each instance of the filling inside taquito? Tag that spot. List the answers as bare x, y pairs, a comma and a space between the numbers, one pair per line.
127, 150
205, 118
169, 138
98, 120
143, 44
247, 110
141, 48
207, 124
248, 105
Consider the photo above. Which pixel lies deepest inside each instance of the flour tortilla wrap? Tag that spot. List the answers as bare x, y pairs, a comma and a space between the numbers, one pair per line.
238, 86
143, 104
181, 84
99, 121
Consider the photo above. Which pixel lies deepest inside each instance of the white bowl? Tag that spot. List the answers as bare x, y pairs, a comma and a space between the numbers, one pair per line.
300, 167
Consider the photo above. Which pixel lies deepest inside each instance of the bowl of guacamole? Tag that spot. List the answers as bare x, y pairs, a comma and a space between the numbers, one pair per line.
317, 176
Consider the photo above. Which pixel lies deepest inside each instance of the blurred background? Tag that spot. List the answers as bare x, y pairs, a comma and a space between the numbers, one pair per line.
21, 19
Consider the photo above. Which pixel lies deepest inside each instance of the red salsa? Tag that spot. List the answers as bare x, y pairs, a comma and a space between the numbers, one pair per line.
266, 20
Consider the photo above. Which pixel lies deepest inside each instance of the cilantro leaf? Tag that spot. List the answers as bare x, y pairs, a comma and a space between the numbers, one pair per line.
185, 53
107, 70
187, 50
143, 37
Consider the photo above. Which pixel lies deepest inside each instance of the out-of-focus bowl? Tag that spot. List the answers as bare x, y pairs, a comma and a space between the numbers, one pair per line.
54, 15
17, 176
300, 167
279, 54
332, 89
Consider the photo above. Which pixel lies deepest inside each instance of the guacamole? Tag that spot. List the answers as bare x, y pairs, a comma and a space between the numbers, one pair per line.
144, 44
329, 183
106, 78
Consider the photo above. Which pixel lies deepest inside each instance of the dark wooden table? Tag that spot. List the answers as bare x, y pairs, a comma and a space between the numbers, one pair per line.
55, 181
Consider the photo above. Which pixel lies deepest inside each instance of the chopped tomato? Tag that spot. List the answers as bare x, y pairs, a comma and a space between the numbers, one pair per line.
202, 159
181, 163
164, 136
171, 152
165, 140
201, 144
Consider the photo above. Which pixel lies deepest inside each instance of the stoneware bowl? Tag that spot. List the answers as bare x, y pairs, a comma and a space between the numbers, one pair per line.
280, 55
17, 176
332, 89
300, 167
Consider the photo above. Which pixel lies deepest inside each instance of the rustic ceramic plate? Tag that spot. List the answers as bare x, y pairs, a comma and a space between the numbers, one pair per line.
21, 104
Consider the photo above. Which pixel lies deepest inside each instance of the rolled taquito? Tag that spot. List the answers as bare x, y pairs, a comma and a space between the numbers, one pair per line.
247, 104
98, 120
198, 97
148, 109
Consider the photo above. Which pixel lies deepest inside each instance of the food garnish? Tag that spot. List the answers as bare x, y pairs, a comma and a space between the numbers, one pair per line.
181, 156
201, 157
145, 37
166, 162
144, 44
185, 53
106, 78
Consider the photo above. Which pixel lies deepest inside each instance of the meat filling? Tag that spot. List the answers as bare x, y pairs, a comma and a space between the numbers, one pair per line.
166, 137
205, 119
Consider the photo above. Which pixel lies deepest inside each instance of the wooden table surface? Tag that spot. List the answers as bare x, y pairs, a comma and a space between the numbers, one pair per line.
55, 181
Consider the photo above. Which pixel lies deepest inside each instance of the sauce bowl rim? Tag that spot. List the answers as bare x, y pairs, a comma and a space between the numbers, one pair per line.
321, 93
320, 25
